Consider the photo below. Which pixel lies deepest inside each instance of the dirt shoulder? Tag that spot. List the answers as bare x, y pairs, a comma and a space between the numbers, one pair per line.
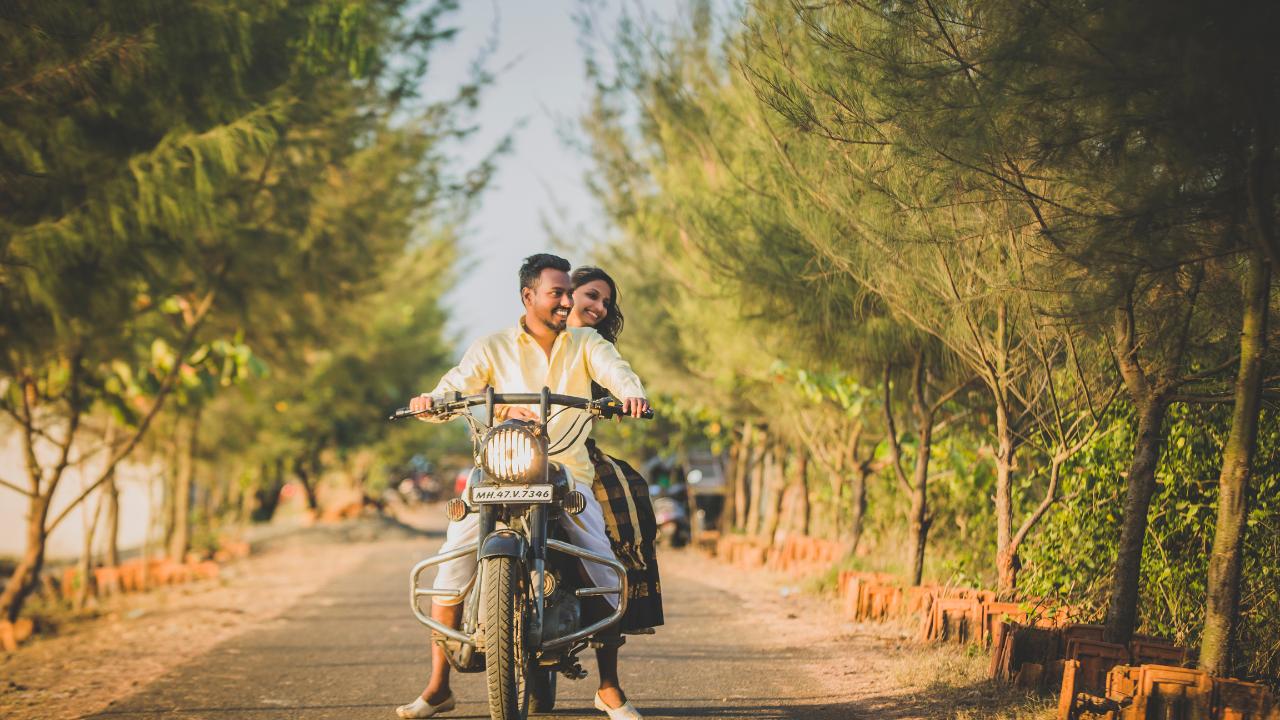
858, 669
137, 638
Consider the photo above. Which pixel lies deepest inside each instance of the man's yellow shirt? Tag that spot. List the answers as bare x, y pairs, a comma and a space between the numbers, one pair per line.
511, 361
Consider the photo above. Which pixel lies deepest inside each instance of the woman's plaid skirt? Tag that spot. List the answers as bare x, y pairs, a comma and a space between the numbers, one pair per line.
628, 516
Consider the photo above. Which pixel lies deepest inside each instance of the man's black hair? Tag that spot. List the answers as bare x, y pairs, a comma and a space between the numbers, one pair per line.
535, 264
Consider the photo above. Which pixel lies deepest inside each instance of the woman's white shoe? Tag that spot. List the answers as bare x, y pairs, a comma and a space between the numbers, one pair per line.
626, 712
420, 708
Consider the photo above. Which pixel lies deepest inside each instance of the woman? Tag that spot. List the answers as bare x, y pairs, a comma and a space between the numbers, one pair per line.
624, 496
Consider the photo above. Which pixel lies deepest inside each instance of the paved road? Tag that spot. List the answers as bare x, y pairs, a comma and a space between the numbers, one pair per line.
354, 651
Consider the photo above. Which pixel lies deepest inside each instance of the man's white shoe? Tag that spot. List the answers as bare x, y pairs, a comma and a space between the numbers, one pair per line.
420, 708
626, 712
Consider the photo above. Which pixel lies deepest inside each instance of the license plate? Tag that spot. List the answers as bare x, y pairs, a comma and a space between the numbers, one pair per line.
511, 494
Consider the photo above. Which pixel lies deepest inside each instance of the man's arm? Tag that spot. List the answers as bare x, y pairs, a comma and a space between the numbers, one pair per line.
471, 375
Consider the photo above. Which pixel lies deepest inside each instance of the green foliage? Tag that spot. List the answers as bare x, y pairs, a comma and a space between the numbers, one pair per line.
230, 193
1070, 558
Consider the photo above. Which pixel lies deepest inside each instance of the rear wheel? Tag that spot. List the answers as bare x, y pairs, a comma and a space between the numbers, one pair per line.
507, 660
542, 691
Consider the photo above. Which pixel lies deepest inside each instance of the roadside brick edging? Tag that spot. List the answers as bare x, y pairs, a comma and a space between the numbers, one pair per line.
1035, 643
795, 554
134, 576
1163, 691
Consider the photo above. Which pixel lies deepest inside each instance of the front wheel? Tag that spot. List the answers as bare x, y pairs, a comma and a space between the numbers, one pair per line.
507, 660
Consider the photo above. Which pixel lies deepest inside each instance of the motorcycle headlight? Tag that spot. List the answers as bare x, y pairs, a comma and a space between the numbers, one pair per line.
512, 453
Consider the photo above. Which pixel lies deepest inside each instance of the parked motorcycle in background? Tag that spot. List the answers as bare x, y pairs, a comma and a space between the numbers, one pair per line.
671, 511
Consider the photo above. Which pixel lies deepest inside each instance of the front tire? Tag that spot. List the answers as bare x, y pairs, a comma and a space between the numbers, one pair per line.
506, 658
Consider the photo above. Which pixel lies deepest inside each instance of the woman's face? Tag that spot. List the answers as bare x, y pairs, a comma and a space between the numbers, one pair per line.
590, 302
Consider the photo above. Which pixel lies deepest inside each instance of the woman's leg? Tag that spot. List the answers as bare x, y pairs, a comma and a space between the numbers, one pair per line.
610, 686
607, 656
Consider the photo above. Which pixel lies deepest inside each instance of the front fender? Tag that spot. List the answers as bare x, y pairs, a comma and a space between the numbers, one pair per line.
504, 543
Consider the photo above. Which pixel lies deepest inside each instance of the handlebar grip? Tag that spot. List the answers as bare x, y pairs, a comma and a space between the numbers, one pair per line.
613, 410
407, 413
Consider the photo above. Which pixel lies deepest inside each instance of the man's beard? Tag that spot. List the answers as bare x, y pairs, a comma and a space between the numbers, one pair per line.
557, 321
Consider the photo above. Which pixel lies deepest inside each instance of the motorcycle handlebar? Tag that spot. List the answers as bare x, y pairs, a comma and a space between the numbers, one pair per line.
458, 402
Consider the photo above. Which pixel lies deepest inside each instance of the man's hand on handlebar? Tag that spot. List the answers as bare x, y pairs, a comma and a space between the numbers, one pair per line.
421, 404
635, 406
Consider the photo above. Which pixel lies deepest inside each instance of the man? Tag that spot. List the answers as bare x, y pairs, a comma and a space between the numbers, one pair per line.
540, 351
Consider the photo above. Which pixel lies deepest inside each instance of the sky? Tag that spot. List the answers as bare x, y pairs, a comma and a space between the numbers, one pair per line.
540, 87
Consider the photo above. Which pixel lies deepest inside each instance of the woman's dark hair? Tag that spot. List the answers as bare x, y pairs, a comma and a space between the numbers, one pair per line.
611, 326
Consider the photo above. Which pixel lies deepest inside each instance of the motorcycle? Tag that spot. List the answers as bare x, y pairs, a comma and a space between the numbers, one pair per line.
671, 512
522, 621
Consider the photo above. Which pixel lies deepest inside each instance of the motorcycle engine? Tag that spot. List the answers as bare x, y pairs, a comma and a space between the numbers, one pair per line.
562, 613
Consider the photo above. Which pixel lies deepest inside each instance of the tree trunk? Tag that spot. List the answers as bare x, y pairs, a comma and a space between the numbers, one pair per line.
267, 496
111, 555
109, 500
85, 566
308, 482
918, 516
1007, 564
835, 531
803, 510
727, 510
1122, 608
859, 501
26, 575
1222, 609
741, 495
215, 497
181, 540
919, 520
169, 489
732, 515
775, 484
757, 474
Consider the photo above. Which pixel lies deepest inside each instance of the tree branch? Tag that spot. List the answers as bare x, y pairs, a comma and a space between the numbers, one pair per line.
1050, 496
15, 488
895, 448
166, 385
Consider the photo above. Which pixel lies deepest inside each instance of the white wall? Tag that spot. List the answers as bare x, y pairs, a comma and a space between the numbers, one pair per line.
133, 480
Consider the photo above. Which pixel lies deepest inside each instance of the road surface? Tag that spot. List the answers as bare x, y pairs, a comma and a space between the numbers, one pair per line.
733, 647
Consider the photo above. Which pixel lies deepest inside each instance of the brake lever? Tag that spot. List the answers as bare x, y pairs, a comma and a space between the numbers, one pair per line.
438, 410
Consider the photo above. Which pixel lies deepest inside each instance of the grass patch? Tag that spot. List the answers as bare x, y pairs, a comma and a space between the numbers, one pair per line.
954, 679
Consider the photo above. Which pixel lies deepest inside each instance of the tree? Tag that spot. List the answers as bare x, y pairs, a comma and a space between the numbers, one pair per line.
189, 189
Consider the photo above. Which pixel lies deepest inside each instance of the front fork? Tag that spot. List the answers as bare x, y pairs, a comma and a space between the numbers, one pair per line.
538, 518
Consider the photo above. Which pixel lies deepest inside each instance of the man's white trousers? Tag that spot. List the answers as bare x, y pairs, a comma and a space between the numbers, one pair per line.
586, 530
